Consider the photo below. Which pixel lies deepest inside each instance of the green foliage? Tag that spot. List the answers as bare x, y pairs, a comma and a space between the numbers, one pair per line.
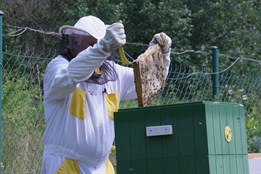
128, 104
143, 19
23, 122
254, 131
233, 26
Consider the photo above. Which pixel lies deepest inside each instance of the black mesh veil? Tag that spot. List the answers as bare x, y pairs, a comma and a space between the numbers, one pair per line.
108, 73
74, 41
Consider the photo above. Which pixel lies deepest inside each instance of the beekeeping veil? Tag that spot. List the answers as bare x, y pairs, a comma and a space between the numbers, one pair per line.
86, 31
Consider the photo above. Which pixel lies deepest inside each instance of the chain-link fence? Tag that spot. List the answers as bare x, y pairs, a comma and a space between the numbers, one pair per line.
23, 117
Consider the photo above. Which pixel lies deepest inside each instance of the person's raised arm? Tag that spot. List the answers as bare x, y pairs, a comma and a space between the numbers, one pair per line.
61, 78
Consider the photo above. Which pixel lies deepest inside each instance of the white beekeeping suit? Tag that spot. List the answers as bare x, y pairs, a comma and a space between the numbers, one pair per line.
78, 111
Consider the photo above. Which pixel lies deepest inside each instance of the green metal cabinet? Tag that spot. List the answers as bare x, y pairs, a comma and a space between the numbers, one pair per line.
206, 138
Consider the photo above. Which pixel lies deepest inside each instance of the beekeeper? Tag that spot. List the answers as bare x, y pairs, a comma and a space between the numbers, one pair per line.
82, 89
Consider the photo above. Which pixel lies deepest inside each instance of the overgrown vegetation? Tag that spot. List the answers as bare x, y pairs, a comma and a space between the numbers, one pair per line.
23, 124
254, 131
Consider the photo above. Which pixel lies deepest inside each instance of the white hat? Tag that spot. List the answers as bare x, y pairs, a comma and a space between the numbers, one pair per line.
93, 25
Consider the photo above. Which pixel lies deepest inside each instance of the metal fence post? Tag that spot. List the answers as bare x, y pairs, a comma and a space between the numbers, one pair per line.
215, 70
1, 66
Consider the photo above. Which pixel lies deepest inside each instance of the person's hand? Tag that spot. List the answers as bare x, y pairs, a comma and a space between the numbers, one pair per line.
115, 36
163, 40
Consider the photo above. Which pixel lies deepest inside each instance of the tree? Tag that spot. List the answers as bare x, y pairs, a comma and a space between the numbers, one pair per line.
233, 26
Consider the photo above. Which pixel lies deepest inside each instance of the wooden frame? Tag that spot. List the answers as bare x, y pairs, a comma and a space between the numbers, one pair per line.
148, 74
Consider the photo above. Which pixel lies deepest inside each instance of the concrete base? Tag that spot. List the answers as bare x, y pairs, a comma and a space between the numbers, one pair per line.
254, 161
